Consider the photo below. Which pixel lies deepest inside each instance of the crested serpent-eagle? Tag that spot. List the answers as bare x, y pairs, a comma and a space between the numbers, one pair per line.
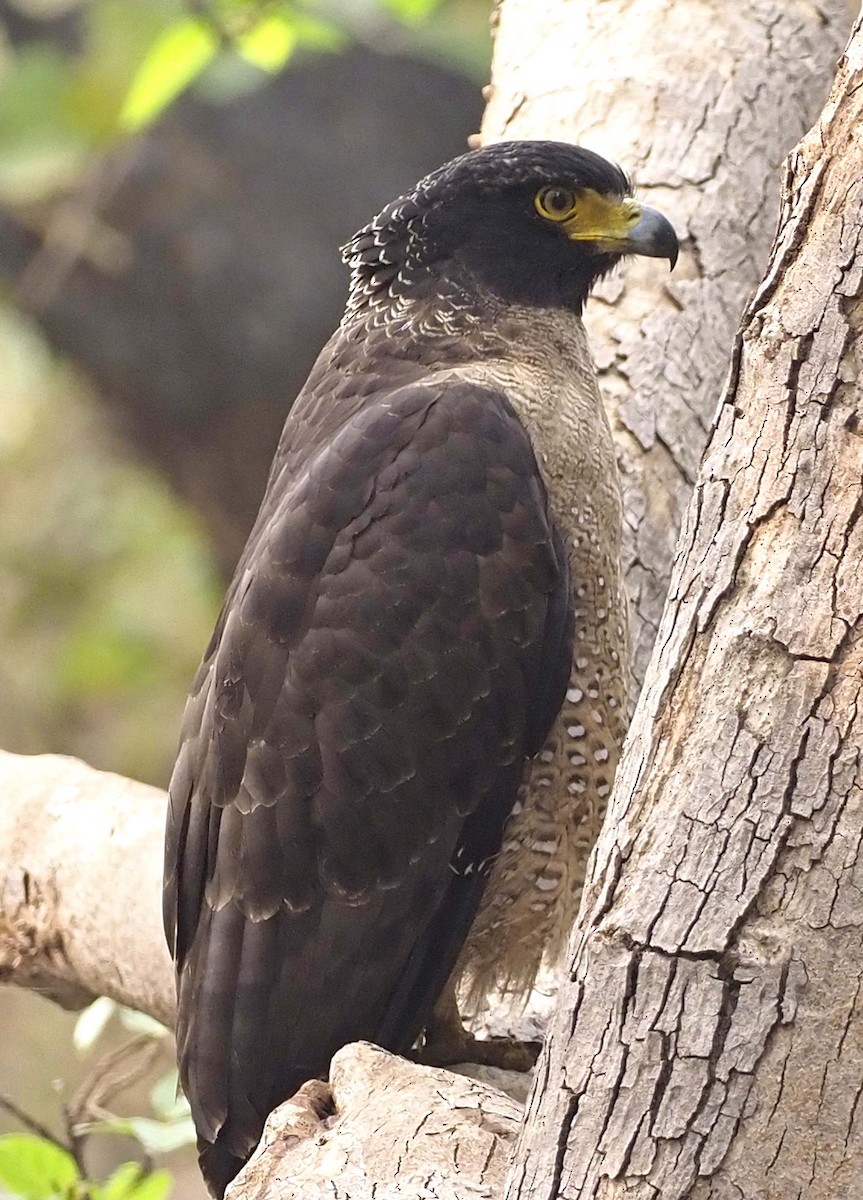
400, 740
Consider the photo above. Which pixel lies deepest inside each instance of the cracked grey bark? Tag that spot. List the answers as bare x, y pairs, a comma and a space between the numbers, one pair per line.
709, 1040
701, 100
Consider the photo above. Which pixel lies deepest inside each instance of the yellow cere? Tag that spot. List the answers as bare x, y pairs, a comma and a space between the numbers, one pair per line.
596, 218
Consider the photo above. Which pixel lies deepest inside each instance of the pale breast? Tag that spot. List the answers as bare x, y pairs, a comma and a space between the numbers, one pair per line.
535, 883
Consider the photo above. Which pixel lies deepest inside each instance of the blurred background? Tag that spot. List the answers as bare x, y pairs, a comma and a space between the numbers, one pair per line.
175, 181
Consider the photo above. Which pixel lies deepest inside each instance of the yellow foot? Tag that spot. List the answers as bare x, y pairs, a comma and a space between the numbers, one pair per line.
446, 1041
445, 1044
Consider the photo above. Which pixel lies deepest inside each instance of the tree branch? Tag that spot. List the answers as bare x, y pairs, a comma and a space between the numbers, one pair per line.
389, 1129
80, 885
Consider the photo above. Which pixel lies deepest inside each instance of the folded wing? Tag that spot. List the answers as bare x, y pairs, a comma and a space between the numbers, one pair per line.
395, 643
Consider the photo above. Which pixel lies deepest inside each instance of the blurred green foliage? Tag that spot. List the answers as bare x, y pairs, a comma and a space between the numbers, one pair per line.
41, 1165
59, 106
171, 1126
107, 588
32, 1167
36, 1169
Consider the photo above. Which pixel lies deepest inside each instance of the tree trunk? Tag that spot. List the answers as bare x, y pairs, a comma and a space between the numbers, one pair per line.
701, 100
709, 1040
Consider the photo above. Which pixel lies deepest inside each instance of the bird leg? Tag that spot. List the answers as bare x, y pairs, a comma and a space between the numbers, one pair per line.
446, 1041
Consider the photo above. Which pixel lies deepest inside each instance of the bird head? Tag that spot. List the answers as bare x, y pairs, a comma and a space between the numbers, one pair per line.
532, 223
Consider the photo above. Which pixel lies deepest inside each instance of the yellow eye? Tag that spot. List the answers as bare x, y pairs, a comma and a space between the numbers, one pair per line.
555, 203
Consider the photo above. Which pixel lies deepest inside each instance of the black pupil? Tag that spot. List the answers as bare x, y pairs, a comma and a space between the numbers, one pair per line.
557, 200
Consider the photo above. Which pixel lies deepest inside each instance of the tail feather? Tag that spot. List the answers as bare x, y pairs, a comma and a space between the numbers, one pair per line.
218, 1166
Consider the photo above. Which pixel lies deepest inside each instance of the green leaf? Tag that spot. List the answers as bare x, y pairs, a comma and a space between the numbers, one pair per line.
168, 1102
161, 1137
319, 33
270, 43
155, 1186
35, 1168
129, 1183
157, 1137
411, 11
91, 1023
138, 1022
176, 57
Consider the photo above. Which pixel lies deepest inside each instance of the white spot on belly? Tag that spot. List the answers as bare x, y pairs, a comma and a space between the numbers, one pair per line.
547, 885
601, 755
575, 731
575, 695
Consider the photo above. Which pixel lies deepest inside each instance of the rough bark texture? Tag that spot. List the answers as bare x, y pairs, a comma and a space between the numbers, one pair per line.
701, 100
390, 1129
81, 885
710, 1040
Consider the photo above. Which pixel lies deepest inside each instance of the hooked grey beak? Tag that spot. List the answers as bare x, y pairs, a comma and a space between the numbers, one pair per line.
653, 236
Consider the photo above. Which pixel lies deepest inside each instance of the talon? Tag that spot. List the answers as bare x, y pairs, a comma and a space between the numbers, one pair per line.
447, 1042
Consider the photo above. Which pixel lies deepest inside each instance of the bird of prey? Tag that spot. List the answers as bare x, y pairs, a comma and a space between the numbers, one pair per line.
401, 737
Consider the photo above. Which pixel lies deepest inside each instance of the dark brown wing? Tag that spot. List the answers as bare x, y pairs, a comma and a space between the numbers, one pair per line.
394, 644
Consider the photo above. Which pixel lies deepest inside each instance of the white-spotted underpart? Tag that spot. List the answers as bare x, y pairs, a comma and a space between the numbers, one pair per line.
535, 884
